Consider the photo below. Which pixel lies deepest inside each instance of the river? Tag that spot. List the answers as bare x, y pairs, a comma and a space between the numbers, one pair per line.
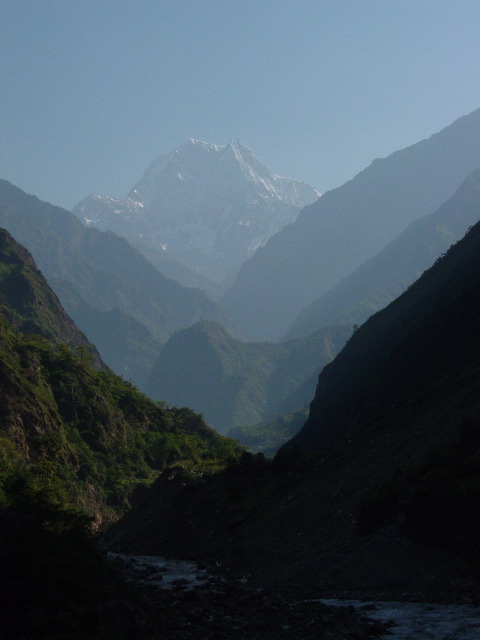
421, 620
412, 620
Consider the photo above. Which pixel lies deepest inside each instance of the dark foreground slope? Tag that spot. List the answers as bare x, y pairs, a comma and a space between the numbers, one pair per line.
379, 491
347, 226
237, 383
406, 353
102, 270
385, 276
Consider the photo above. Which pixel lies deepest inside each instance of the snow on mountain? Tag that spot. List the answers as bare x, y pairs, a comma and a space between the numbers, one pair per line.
207, 206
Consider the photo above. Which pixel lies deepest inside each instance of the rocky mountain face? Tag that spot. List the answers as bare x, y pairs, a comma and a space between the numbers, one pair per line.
206, 206
105, 272
348, 225
385, 276
237, 383
378, 492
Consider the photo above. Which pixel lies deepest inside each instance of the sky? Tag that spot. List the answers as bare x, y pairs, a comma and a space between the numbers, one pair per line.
93, 91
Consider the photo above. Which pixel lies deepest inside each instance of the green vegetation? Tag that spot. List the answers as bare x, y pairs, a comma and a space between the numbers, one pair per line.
80, 435
88, 437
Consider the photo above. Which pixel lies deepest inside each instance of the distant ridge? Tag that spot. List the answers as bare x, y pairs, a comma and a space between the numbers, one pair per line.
347, 226
423, 341
385, 276
237, 383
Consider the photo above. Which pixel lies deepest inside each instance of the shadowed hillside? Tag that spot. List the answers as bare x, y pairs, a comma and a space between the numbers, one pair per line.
378, 492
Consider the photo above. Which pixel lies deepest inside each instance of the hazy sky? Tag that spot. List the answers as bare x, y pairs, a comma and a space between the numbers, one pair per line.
92, 91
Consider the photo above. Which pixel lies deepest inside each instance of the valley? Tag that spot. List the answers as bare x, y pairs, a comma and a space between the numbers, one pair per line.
302, 434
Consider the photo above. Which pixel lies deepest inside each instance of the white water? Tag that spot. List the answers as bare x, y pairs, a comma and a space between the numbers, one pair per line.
422, 621
162, 572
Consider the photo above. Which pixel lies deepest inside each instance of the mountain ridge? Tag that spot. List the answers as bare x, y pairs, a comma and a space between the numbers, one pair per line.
387, 274
420, 316
348, 225
102, 268
29, 304
237, 383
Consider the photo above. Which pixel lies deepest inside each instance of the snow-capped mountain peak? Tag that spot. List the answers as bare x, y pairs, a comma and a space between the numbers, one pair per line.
211, 205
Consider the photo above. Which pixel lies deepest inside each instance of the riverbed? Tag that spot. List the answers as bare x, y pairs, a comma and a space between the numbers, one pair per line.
412, 620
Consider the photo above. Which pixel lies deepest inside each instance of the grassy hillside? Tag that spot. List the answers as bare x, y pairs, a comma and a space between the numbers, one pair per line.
67, 424
86, 436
